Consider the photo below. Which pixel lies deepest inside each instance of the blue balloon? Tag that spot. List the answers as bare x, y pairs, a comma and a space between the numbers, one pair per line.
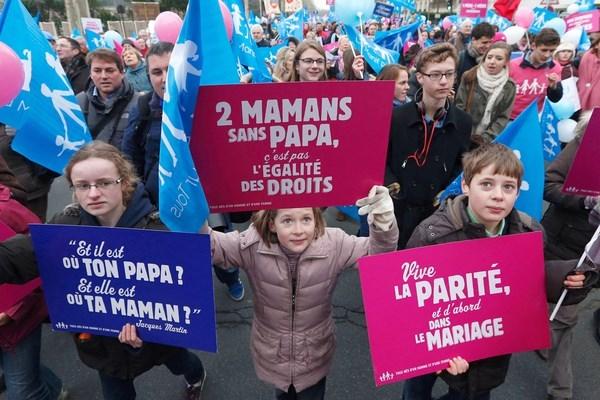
563, 109
348, 11
558, 24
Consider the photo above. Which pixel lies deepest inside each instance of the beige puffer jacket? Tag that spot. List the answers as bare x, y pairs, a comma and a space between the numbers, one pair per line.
294, 344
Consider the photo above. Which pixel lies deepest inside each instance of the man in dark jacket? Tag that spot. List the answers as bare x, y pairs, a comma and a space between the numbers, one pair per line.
567, 232
427, 140
481, 40
108, 101
73, 62
141, 142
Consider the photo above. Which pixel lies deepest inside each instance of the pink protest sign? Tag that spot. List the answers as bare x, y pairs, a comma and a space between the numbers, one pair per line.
12, 294
473, 8
589, 21
583, 178
472, 299
291, 145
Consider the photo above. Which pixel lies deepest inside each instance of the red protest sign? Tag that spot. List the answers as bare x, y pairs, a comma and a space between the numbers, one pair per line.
583, 178
290, 145
471, 299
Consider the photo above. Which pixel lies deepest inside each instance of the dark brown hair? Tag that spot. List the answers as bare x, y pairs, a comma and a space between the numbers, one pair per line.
503, 159
547, 37
105, 55
263, 219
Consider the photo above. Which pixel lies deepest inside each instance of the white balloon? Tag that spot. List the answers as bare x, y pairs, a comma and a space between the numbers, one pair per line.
566, 130
573, 36
573, 8
514, 34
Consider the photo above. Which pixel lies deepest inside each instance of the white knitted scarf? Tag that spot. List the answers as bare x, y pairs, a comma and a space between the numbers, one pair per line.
493, 85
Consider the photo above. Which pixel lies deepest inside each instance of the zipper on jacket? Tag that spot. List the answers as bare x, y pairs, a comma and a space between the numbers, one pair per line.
293, 281
404, 163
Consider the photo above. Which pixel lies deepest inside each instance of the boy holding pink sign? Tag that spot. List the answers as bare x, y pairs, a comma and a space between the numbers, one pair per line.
491, 182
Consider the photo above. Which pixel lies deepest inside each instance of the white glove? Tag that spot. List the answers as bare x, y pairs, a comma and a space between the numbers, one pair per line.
379, 207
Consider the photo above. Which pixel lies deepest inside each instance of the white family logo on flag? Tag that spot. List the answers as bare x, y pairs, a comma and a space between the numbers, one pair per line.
550, 144
239, 25
524, 184
27, 67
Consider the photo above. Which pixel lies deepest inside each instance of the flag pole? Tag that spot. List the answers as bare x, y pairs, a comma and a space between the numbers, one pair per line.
581, 260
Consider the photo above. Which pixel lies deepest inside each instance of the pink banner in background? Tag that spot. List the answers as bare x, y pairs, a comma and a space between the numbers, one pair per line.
472, 299
584, 178
589, 21
291, 145
473, 8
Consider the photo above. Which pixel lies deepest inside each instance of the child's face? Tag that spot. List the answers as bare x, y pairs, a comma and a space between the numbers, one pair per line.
491, 196
294, 227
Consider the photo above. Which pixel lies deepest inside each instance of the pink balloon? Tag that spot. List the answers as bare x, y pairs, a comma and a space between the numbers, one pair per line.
446, 23
227, 19
499, 37
524, 17
14, 75
167, 26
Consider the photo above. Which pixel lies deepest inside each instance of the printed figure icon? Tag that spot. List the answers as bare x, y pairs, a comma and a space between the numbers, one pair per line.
27, 67
64, 106
181, 62
54, 63
237, 17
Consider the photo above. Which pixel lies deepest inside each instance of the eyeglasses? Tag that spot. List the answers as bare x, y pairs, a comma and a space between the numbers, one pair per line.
100, 185
437, 76
311, 61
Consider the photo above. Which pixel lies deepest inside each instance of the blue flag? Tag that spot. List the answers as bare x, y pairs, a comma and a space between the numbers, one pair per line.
75, 33
264, 56
549, 124
586, 5
94, 40
50, 125
542, 15
495, 19
524, 137
37, 17
202, 56
395, 39
376, 55
409, 4
293, 25
243, 46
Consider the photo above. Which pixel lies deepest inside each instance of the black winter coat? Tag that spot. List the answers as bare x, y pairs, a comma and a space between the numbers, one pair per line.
105, 354
451, 224
420, 185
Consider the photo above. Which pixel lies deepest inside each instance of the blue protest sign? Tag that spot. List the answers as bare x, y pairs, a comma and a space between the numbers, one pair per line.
383, 10
498, 20
395, 38
542, 15
96, 279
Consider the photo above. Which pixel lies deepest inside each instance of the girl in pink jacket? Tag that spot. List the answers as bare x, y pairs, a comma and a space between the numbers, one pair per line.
293, 263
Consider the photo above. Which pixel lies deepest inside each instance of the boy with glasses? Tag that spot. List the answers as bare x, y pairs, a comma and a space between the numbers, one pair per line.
427, 140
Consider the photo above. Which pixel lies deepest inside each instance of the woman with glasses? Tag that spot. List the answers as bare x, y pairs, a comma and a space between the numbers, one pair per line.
309, 62
108, 193
488, 94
